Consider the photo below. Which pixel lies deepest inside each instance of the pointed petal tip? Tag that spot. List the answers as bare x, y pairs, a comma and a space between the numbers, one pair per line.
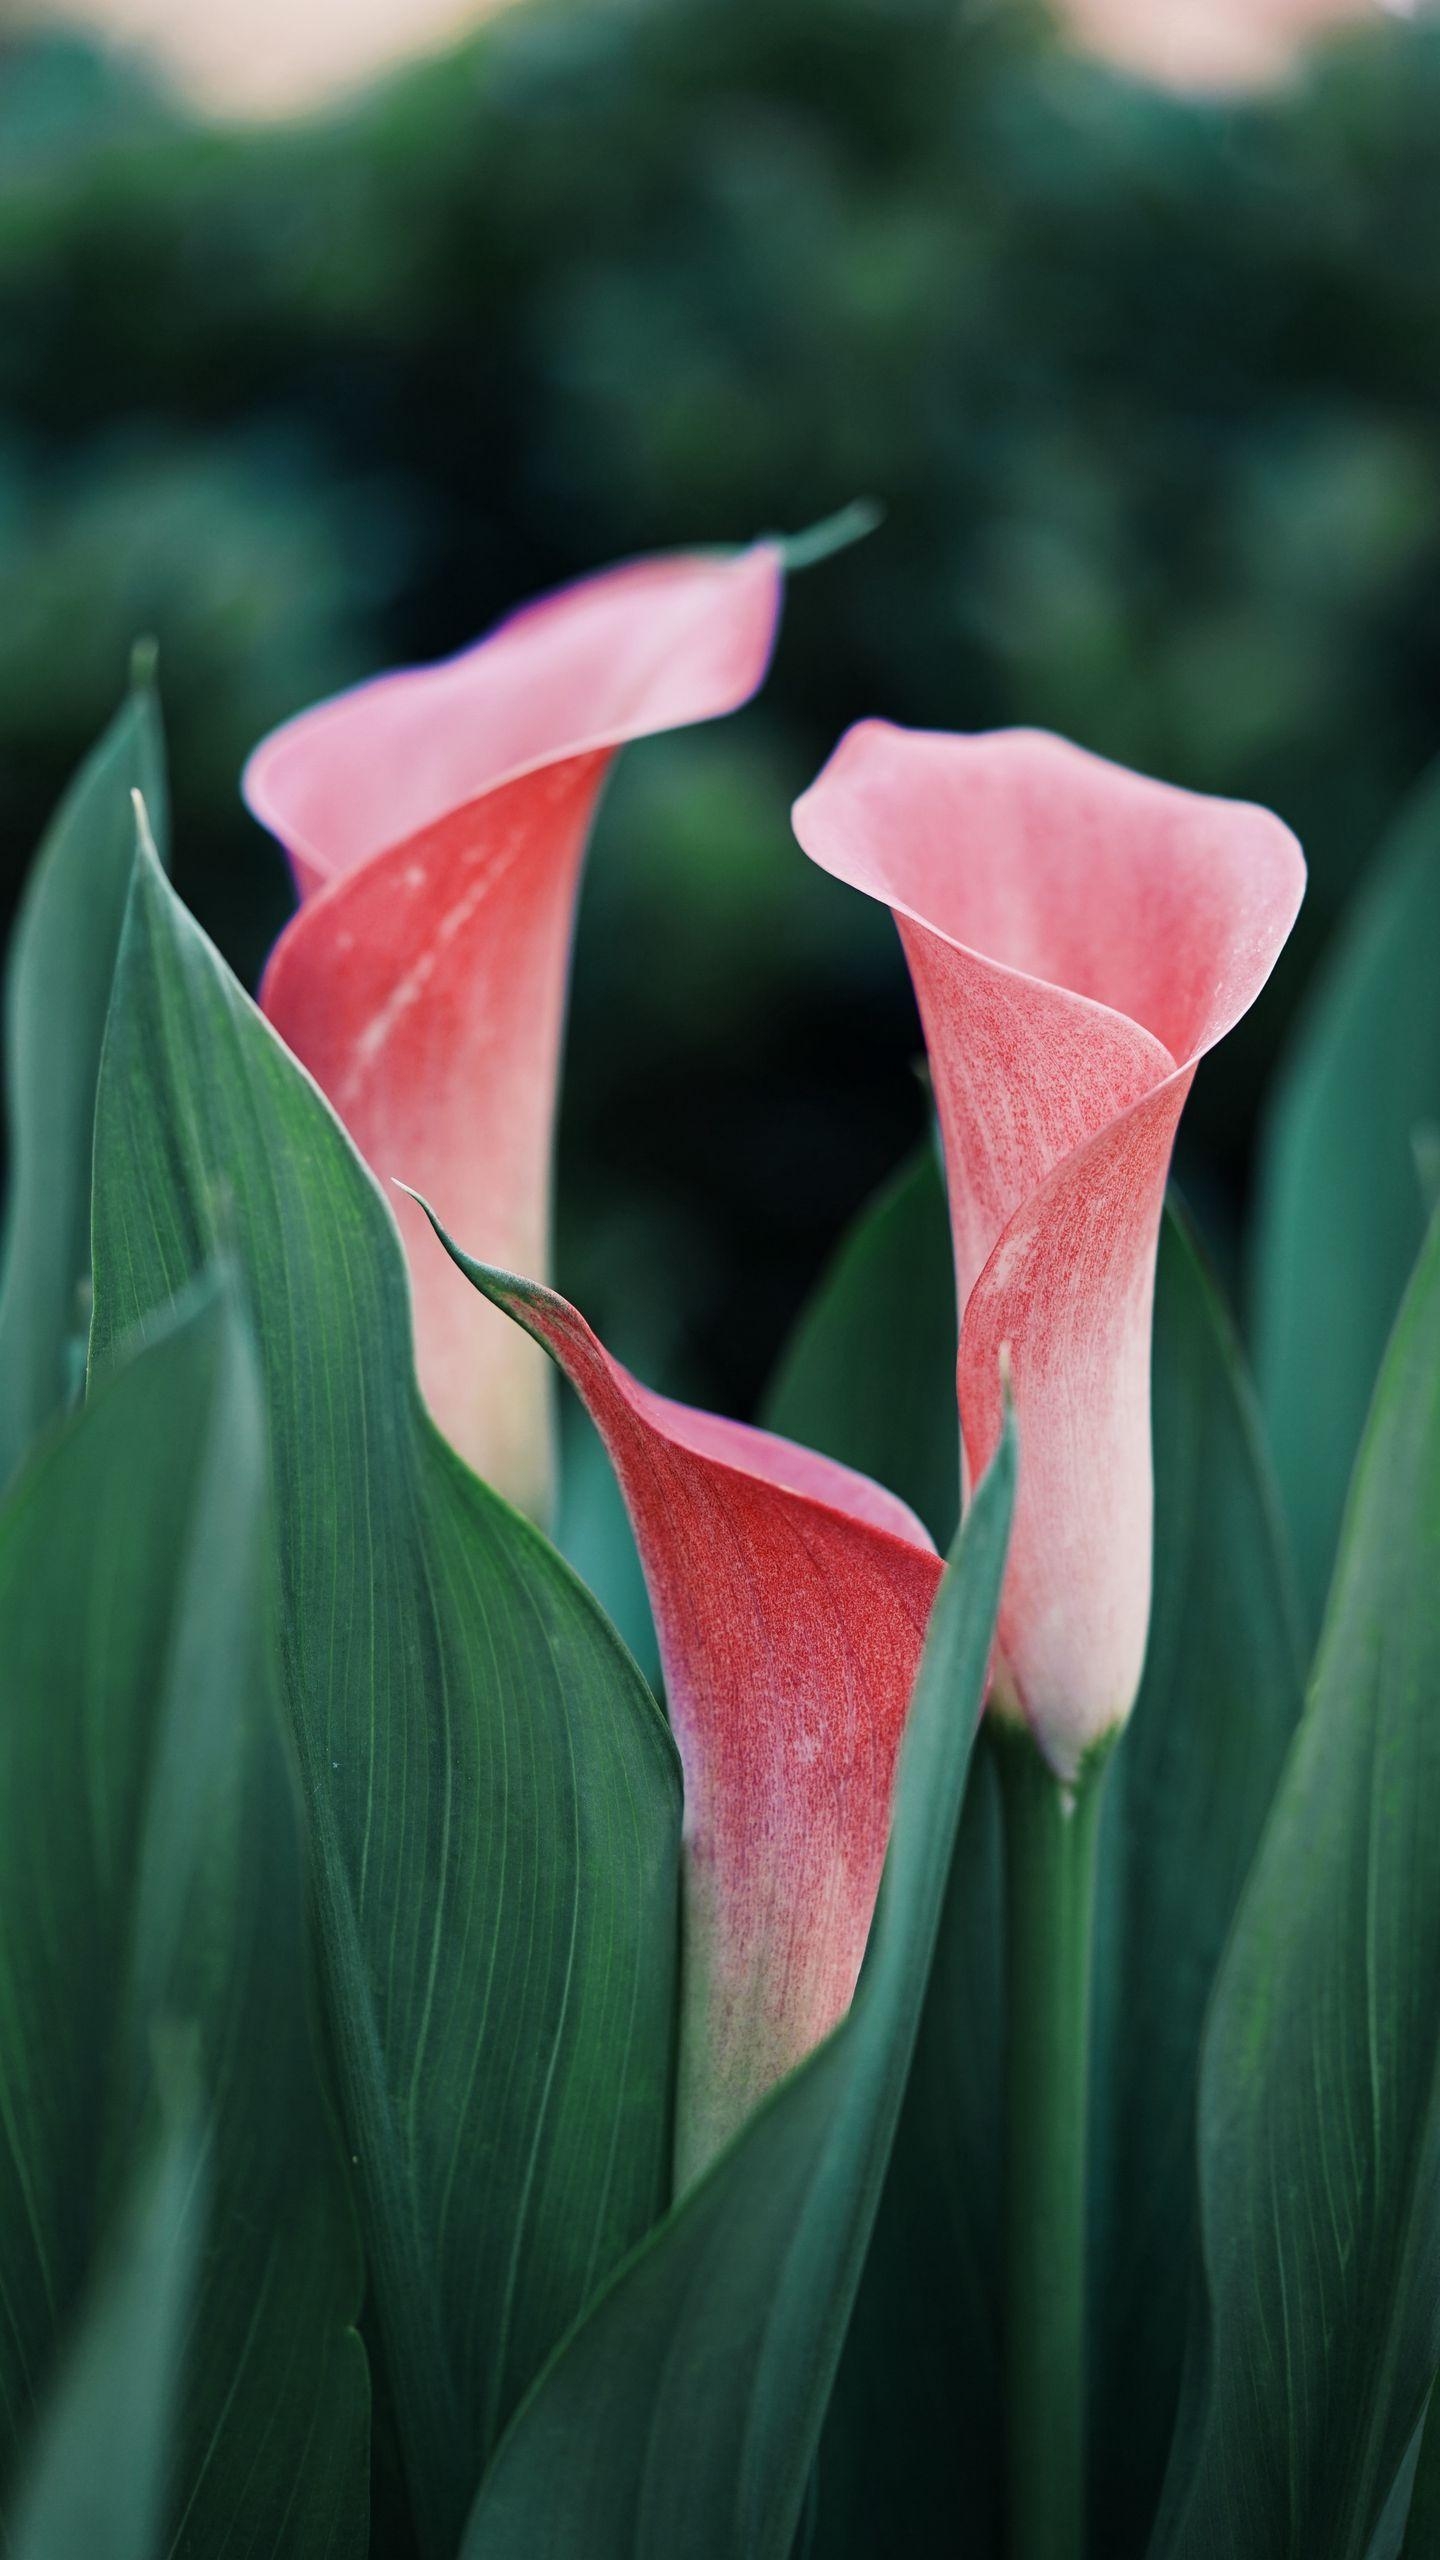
505, 1289
653, 644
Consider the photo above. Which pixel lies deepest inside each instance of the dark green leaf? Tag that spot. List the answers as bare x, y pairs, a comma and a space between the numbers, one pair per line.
151, 1886
869, 1373
96, 2479
913, 2437
1342, 1202
912, 2434
492, 1794
1320, 2081
915, 2425
61, 963
683, 2414
1189, 1790
1422, 2528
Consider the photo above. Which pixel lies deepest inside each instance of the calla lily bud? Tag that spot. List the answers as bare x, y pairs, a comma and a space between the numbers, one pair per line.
791, 1598
436, 821
1078, 937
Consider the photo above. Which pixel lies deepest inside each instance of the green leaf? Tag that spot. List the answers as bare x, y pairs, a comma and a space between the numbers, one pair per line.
869, 1373
61, 963
1190, 1787
914, 2433
1342, 1207
151, 1887
683, 2414
916, 2422
1320, 2084
1422, 2529
492, 1794
97, 2477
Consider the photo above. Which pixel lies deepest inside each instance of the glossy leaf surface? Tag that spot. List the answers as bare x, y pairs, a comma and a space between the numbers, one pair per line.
152, 1893
490, 1791
1320, 2086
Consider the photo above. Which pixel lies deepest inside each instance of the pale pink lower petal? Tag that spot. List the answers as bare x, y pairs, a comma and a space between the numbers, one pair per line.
437, 823
791, 1598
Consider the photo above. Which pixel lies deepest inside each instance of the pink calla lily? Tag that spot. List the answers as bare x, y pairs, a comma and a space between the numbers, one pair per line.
436, 821
791, 1598
1078, 937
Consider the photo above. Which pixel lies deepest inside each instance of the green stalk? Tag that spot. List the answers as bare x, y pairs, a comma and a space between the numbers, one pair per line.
1050, 1835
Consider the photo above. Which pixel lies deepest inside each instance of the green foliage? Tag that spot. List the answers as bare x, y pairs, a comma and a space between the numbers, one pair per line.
1422, 2531
339, 1839
96, 2476
61, 963
1320, 2086
916, 2421
491, 1795
684, 2413
1343, 1203
151, 1894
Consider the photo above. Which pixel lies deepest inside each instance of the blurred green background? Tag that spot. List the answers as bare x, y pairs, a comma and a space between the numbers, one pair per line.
1150, 390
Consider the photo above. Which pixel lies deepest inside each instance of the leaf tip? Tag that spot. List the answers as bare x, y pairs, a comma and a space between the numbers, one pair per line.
838, 532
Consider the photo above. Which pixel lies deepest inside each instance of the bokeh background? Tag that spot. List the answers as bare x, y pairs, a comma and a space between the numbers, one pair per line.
310, 368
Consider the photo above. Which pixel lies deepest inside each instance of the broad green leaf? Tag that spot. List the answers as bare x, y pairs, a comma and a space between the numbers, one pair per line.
97, 2476
1320, 2081
151, 1887
61, 963
1342, 1205
492, 1794
869, 1373
1189, 1791
683, 2414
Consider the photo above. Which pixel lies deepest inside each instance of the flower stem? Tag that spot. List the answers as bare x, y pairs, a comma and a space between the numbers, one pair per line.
1050, 1835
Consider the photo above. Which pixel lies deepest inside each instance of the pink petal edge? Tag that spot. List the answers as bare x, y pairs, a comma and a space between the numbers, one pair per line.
1078, 936
791, 1598
437, 821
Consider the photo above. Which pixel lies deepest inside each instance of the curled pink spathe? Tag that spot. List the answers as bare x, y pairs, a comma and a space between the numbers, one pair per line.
1078, 937
791, 1598
436, 821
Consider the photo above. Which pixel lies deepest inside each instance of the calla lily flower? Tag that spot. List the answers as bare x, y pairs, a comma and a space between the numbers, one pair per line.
791, 1598
436, 821
1078, 937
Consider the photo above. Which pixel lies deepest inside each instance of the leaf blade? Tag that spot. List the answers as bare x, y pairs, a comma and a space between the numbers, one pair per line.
490, 1791
1341, 1210
1320, 2094
58, 975
152, 1891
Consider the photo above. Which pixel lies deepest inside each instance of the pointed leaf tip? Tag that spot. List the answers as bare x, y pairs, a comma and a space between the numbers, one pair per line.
838, 532
144, 832
144, 663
